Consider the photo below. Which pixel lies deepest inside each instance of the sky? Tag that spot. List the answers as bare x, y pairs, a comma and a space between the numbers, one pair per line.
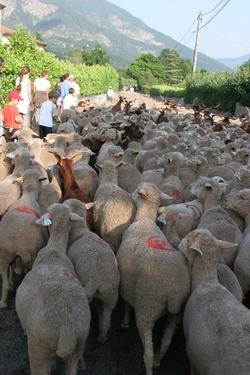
226, 35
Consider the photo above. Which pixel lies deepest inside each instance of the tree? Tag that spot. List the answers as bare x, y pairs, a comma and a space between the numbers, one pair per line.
74, 55
177, 68
148, 63
97, 56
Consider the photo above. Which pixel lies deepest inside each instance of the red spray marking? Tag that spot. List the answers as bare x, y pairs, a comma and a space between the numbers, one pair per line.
93, 174
158, 243
71, 276
91, 239
28, 210
175, 194
119, 194
195, 210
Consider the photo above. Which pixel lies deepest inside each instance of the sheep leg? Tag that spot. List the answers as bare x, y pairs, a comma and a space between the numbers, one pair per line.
76, 361
10, 279
126, 319
40, 366
167, 338
5, 286
104, 319
145, 332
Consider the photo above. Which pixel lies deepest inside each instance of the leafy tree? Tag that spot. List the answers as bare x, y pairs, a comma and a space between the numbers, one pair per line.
146, 63
38, 36
177, 68
97, 56
74, 55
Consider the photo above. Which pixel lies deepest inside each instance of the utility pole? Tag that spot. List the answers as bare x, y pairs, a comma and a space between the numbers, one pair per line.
196, 42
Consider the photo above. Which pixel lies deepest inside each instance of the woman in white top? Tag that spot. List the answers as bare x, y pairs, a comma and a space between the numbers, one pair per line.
23, 86
41, 88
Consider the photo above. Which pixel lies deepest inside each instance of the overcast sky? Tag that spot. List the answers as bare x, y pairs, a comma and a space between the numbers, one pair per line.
226, 35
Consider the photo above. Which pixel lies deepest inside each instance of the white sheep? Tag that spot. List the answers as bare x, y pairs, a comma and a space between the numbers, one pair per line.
155, 277
115, 209
51, 303
241, 203
95, 265
215, 218
20, 236
216, 325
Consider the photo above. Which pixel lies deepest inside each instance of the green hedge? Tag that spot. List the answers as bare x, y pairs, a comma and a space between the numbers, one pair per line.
23, 50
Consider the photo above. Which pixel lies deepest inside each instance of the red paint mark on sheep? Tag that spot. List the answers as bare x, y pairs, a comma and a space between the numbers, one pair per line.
92, 240
175, 194
195, 210
93, 174
158, 243
71, 276
28, 210
119, 194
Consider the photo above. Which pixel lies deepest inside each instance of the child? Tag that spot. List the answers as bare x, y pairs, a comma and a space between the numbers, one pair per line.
10, 114
47, 112
69, 99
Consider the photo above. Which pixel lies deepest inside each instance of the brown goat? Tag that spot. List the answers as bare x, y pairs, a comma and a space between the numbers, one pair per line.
162, 118
127, 107
70, 188
118, 106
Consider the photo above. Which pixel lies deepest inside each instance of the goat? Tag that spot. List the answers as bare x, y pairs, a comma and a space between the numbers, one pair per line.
162, 118
70, 188
127, 107
118, 106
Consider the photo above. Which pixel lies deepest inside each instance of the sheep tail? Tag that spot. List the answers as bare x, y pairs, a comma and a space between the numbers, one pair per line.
66, 343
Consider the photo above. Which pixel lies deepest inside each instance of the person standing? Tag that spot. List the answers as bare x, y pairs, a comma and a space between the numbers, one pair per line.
76, 87
47, 112
23, 85
65, 86
110, 93
41, 88
2, 62
69, 100
10, 114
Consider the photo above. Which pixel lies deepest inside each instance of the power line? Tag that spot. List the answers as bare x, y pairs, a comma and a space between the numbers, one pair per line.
204, 14
215, 15
185, 33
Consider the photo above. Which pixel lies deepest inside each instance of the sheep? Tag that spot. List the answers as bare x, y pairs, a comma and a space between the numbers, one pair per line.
172, 184
114, 210
67, 127
95, 265
240, 202
215, 218
86, 176
51, 303
22, 160
216, 325
70, 188
128, 175
155, 278
20, 237
189, 217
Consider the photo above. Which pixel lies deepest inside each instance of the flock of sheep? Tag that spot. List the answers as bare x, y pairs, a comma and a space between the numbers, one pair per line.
119, 203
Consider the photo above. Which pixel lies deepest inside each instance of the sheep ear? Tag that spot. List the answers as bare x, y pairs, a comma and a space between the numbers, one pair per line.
162, 219
196, 245
44, 220
19, 179
208, 186
226, 245
89, 205
74, 217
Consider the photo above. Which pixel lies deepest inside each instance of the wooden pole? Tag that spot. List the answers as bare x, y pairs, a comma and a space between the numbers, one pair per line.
196, 42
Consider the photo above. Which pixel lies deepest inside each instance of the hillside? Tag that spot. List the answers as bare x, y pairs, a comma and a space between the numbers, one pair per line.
234, 62
64, 25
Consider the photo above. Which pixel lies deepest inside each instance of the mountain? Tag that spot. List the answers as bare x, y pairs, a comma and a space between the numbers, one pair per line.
234, 62
67, 24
